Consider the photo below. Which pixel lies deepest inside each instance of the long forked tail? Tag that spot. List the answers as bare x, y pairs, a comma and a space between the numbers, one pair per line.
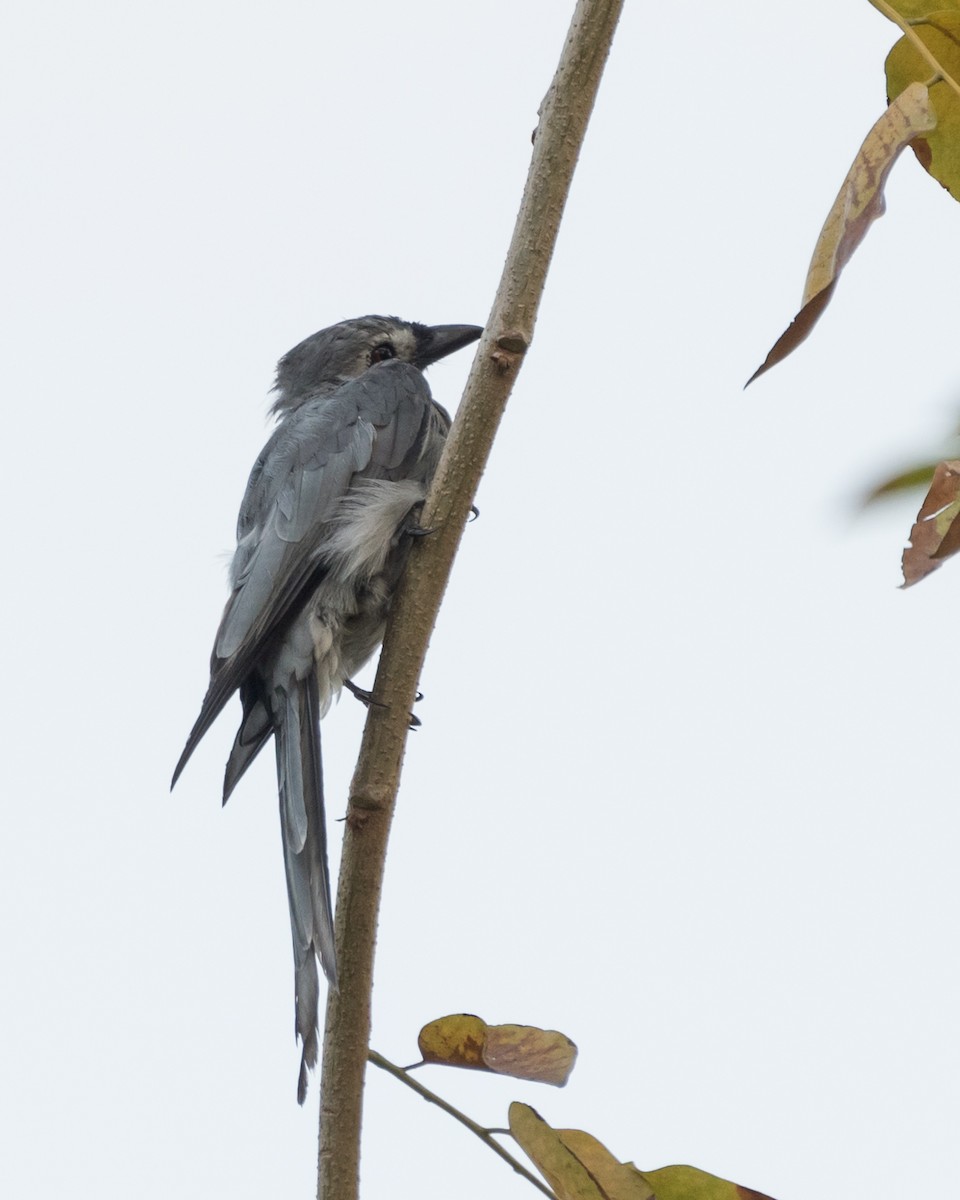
303, 828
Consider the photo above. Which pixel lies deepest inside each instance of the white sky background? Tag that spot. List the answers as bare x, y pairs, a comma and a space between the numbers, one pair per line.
684, 787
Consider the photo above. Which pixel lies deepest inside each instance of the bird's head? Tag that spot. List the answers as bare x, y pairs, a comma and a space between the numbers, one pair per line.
326, 360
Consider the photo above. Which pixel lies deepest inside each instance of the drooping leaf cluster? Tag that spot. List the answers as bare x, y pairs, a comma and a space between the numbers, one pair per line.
575, 1165
923, 112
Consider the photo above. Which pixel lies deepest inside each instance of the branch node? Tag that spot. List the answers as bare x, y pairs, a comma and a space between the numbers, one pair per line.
355, 821
504, 361
359, 811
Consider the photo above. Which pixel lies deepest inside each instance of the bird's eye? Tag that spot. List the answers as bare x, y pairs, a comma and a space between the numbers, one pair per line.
382, 353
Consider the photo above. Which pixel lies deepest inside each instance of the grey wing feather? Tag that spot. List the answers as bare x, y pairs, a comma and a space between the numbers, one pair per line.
280, 545
371, 428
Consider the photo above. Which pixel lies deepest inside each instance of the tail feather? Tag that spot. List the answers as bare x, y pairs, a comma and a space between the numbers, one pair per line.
312, 772
308, 1002
256, 729
293, 800
303, 828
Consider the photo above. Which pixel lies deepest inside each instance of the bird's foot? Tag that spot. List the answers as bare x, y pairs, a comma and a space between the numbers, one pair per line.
410, 525
367, 699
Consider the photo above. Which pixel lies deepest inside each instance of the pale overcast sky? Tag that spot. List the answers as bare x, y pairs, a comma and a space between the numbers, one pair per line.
684, 787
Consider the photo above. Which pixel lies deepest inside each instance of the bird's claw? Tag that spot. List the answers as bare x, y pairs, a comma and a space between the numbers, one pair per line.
411, 529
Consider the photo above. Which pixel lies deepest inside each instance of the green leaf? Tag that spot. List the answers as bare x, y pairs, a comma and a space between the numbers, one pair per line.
904, 481
687, 1183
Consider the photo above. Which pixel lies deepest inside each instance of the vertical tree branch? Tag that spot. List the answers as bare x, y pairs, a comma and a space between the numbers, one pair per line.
563, 123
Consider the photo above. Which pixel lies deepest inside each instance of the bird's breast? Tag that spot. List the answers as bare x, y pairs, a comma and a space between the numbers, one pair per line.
364, 531
343, 622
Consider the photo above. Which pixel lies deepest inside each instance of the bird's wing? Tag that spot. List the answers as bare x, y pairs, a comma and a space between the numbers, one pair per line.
372, 427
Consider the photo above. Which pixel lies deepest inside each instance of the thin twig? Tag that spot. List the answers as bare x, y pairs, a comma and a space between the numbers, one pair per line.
483, 1134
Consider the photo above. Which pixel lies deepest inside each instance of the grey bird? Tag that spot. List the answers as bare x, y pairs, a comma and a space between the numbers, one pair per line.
322, 537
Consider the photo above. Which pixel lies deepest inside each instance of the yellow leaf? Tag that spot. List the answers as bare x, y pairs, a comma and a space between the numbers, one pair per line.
617, 1180
455, 1041
910, 10
577, 1166
935, 535
559, 1166
939, 153
858, 204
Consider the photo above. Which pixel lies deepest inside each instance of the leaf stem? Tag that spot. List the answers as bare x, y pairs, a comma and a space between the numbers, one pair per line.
485, 1135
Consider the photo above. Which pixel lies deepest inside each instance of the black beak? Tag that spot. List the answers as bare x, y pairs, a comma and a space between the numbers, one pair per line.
437, 341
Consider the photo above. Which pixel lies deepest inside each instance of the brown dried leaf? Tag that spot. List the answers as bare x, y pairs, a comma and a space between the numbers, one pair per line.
935, 535
858, 204
525, 1052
